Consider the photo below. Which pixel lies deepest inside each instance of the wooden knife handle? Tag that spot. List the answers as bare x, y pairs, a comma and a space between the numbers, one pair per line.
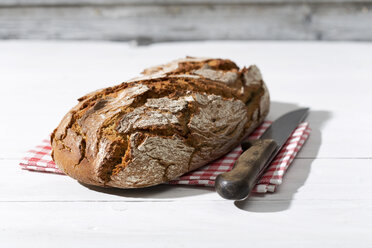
239, 182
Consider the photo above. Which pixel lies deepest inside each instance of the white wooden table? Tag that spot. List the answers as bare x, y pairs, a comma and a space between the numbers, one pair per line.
326, 197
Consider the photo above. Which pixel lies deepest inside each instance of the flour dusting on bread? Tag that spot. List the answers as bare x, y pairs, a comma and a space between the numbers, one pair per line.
149, 130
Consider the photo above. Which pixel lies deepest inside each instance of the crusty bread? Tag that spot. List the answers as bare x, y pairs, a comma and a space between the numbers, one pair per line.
175, 118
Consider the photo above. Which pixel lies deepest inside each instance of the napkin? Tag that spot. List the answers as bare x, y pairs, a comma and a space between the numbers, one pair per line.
39, 159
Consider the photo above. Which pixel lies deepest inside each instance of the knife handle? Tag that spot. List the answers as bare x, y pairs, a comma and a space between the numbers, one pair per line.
239, 182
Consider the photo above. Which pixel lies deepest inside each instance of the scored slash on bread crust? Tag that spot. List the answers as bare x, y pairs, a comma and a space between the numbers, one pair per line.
149, 130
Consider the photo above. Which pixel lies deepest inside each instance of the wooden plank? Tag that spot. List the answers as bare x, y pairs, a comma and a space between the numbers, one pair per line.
323, 202
146, 23
186, 224
307, 180
160, 2
42, 80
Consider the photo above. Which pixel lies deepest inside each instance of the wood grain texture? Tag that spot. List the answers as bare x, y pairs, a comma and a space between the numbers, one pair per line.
336, 77
325, 199
160, 2
328, 210
87, 224
155, 21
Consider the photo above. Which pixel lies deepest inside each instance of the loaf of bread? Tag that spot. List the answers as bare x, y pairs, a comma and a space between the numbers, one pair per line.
152, 129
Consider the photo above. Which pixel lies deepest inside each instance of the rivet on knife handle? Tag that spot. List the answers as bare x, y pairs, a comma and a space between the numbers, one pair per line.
239, 182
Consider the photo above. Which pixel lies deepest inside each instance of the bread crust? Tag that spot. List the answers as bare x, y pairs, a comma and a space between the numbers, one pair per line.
151, 129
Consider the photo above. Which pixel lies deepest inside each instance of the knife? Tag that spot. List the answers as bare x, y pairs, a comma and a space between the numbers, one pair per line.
238, 183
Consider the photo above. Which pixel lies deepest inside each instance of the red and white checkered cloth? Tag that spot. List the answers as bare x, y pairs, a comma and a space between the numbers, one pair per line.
39, 159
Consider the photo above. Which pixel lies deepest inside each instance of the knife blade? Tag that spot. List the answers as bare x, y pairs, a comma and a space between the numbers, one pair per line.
238, 183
